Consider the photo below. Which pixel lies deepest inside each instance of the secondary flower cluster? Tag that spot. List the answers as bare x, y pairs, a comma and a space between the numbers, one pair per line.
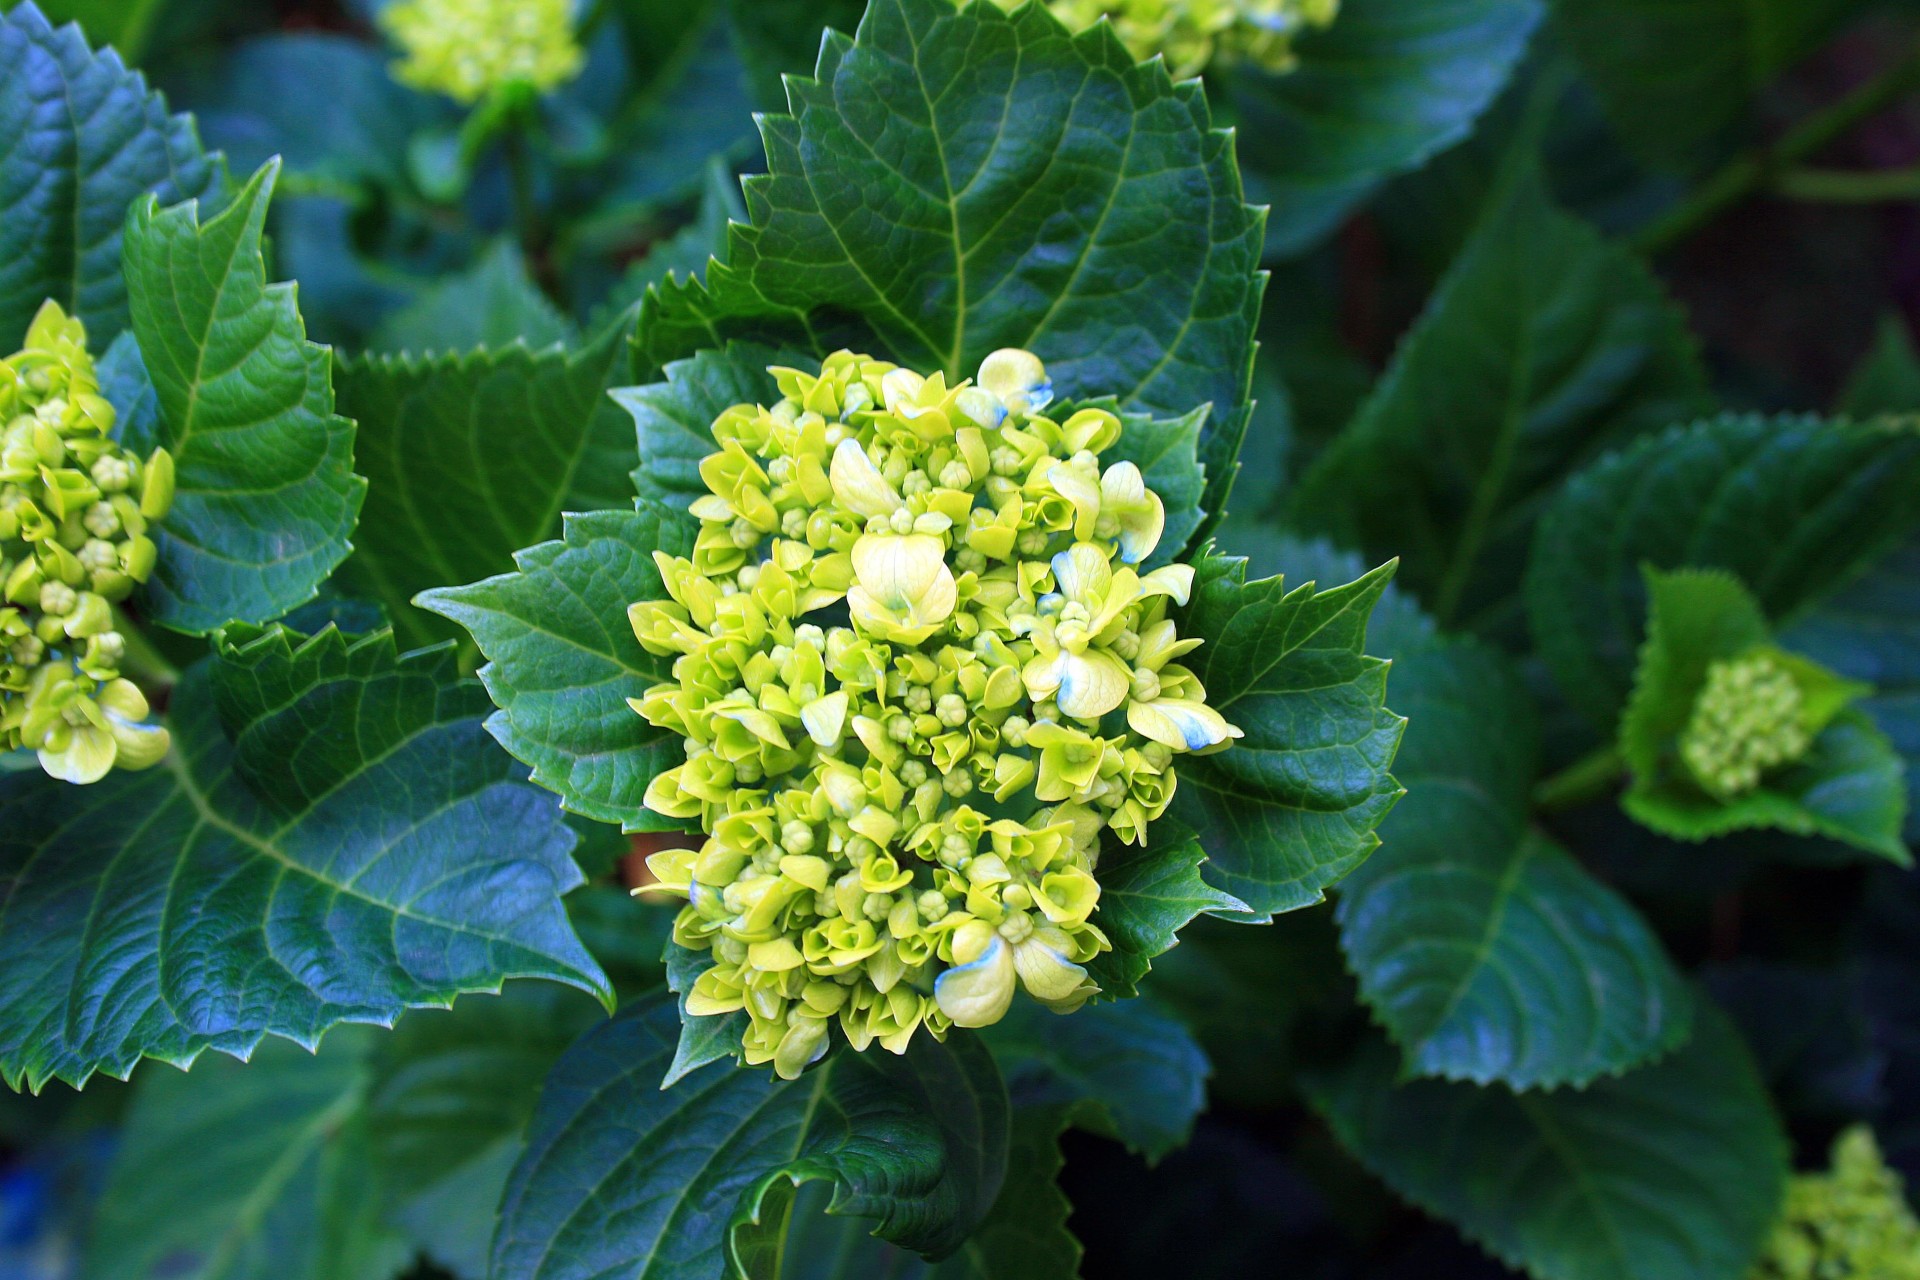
1849, 1224
468, 48
905, 796
74, 512
1192, 33
1747, 719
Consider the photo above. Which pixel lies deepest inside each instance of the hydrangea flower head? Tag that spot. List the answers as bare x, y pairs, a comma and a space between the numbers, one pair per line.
75, 509
468, 48
920, 669
1191, 34
1749, 718
1850, 1223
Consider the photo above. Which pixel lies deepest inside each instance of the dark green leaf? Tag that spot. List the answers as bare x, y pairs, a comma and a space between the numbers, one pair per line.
1132, 1068
1672, 1172
252, 1171
1389, 84
1147, 895
1025, 1237
266, 494
1482, 947
326, 104
1292, 806
1397, 627
495, 303
1790, 506
1674, 75
388, 860
84, 139
562, 660
1888, 380
698, 1178
1544, 347
675, 416
703, 1039
967, 180
1871, 632
472, 457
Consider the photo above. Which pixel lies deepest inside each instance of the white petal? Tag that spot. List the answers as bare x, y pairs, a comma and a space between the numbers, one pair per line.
1174, 580
1092, 684
899, 570
826, 718
1182, 725
858, 484
1082, 572
978, 994
1044, 972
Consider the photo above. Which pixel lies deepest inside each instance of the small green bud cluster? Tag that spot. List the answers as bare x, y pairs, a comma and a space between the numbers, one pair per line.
1748, 718
466, 49
1190, 34
905, 799
75, 508
1852, 1223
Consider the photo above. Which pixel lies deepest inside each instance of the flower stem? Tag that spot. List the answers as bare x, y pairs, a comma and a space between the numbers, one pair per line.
1749, 173
141, 663
1834, 186
1592, 777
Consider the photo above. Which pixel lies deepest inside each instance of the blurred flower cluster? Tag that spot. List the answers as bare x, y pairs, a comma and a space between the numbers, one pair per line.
75, 508
1190, 34
1851, 1223
906, 796
467, 49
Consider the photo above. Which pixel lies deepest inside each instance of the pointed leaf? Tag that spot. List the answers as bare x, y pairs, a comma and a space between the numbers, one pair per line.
85, 139
562, 660
1291, 807
1483, 947
622, 1177
1543, 347
1388, 84
965, 179
1147, 895
266, 496
250, 1171
389, 860
675, 415
472, 457
1672, 1172
494, 303
1790, 506
1888, 380
1132, 1069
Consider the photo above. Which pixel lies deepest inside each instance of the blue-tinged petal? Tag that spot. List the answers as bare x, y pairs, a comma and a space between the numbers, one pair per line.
977, 994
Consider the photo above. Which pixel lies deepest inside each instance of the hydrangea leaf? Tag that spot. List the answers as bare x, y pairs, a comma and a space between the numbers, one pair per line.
965, 179
1792, 506
1871, 632
1543, 347
1147, 895
389, 860
1888, 379
675, 416
1672, 1172
918, 1142
681, 256
1025, 1237
1291, 807
253, 1171
472, 457
1480, 945
266, 496
1131, 1070
703, 1039
336, 1166
85, 138
1387, 85
562, 660
494, 303
1674, 75
1851, 784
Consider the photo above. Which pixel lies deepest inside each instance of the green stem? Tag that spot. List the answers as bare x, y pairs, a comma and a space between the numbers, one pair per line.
143, 664
1752, 172
1836, 187
1592, 777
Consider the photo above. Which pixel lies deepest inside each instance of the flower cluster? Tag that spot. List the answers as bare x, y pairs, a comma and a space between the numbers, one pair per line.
74, 512
1190, 34
468, 48
1850, 1224
1748, 718
905, 795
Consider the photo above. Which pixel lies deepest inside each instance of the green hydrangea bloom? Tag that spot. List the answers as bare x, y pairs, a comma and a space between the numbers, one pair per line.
468, 48
919, 673
1852, 1223
75, 508
1190, 34
1748, 718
